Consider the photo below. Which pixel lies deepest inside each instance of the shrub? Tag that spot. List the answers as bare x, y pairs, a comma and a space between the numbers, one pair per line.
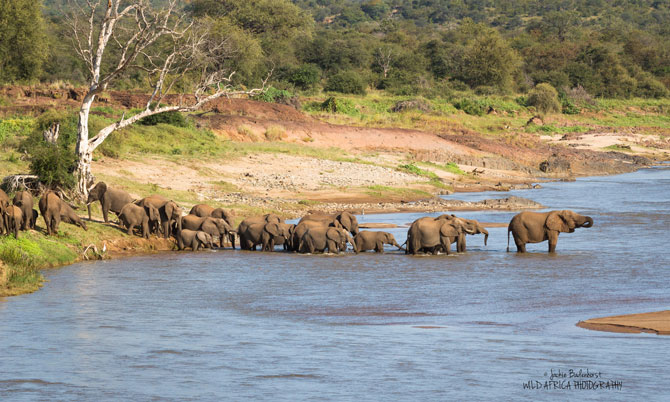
172, 118
273, 95
545, 98
275, 133
346, 82
305, 76
473, 107
53, 164
344, 106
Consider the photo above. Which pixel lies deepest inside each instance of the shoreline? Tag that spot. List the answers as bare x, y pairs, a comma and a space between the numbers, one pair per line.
656, 322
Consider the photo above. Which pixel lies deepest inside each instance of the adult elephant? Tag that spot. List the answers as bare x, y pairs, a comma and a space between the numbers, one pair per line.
536, 227
374, 240
326, 238
4, 205
170, 212
476, 227
265, 234
24, 200
435, 234
247, 243
133, 215
204, 210
111, 199
302, 227
216, 227
346, 219
54, 210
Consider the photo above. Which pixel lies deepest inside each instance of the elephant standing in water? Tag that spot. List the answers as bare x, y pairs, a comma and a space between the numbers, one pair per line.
536, 227
369, 240
204, 210
193, 239
250, 238
436, 234
111, 199
326, 237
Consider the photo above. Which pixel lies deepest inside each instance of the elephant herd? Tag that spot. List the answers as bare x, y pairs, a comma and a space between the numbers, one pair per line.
207, 227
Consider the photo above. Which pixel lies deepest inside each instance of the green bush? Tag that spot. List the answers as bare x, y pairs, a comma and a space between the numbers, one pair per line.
305, 76
475, 107
346, 82
343, 106
273, 95
545, 98
173, 118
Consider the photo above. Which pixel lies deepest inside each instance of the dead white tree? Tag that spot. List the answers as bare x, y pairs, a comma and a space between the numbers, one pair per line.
384, 59
115, 36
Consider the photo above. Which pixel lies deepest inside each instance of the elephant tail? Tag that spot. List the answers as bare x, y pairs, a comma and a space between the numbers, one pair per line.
509, 229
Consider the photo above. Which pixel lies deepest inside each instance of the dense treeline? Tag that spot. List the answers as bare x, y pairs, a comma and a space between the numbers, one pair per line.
419, 47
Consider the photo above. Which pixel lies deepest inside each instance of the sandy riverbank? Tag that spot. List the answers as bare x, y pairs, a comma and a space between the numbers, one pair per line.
657, 322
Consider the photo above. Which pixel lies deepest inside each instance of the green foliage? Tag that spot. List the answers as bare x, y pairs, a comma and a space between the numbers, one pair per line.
273, 95
343, 106
475, 107
305, 76
22, 40
414, 169
12, 128
544, 98
346, 82
172, 118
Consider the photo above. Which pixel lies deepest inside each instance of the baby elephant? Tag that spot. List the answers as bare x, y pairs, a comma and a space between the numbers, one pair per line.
369, 240
194, 239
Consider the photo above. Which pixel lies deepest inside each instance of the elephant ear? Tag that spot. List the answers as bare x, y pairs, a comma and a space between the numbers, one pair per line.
202, 236
448, 230
555, 221
336, 224
333, 234
273, 229
153, 213
169, 208
345, 219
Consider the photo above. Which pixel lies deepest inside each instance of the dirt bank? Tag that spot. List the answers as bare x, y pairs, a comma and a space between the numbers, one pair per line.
656, 323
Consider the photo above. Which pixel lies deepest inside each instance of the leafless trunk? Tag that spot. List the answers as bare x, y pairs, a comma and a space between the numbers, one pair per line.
134, 28
384, 59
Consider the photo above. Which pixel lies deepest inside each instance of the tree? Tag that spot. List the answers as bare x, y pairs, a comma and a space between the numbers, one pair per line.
22, 40
200, 55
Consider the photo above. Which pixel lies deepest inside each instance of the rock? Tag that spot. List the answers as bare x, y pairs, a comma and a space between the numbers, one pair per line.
555, 164
537, 120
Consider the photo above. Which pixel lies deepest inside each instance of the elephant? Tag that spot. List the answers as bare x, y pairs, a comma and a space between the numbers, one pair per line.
193, 239
302, 227
460, 242
204, 210
132, 215
372, 240
346, 219
536, 227
4, 205
24, 200
14, 220
243, 229
435, 234
68, 215
265, 234
49, 206
326, 237
286, 238
111, 199
170, 212
216, 227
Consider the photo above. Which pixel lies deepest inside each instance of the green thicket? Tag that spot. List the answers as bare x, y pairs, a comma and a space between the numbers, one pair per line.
430, 48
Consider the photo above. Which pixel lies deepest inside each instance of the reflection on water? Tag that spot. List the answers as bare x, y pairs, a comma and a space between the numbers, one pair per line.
244, 325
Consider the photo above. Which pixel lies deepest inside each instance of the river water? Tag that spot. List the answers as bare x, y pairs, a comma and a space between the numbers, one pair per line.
232, 325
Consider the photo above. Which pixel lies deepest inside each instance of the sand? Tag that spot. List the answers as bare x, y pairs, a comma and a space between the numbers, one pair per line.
655, 323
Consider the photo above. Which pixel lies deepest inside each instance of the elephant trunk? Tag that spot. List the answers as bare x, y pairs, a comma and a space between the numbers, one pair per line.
588, 222
486, 235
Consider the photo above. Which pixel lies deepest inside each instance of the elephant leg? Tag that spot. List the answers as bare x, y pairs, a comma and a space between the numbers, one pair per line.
231, 237
130, 229
379, 247
520, 244
460, 245
195, 245
105, 212
310, 247
553, 240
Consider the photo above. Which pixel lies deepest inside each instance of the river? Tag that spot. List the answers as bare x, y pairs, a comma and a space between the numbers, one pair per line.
232, 325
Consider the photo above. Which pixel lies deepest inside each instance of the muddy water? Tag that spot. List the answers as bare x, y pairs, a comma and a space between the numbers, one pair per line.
474, 326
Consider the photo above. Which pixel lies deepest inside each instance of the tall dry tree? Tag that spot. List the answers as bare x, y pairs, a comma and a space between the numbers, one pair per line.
115, 36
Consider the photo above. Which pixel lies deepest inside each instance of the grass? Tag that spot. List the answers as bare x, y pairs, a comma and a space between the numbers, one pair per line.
450, 167
618, 148
379, 191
